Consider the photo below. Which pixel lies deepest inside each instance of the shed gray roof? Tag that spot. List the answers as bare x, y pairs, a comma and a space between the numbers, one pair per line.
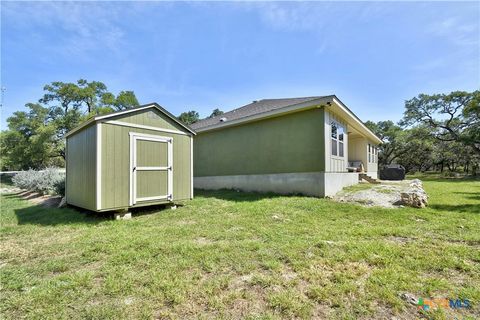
254, 108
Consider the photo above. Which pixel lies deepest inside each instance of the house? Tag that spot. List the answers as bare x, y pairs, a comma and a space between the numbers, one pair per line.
296, 145
130, 158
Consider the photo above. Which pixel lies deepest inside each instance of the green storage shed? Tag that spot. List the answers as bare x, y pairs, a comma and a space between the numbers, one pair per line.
130, 158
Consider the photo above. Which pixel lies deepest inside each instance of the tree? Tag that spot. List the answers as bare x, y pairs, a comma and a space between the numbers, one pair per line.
471, 113
35, 138
451, 117
125, 100
418, 146
215, 112
29, 142
392, 136
189, 117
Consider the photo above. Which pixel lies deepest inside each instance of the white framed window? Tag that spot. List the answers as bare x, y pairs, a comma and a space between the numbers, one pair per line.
372, 153
337, 139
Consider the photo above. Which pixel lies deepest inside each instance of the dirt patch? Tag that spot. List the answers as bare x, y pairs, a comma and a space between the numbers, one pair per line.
387, 194
399, 240
43, 200
38, 198
186, 222
6, 190
203, 241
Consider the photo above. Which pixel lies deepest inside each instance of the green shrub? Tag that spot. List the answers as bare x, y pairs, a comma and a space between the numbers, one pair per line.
59, 187
46, 181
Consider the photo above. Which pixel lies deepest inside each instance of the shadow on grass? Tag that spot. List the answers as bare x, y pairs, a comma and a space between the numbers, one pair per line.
470, 195
47, 216
468, 208
440, 178
240, 196
152, 209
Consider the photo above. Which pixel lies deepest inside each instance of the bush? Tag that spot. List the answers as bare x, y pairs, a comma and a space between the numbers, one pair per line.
59, 187
48, 181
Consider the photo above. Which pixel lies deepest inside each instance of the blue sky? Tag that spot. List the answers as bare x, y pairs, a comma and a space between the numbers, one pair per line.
206, 55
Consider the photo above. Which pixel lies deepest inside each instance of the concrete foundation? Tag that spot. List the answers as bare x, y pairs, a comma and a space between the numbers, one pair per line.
318, 184
373, 174
336, 181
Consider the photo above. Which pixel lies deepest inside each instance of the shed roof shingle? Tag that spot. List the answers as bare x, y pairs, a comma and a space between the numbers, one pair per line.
254, 108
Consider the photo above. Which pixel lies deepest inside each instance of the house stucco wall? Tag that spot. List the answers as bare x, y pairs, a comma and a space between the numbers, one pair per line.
286, 144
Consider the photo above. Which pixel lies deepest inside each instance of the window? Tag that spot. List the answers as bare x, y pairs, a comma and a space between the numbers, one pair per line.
372, 154
337, 139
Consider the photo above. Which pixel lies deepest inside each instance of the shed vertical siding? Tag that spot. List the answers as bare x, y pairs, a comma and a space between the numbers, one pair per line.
116, 165
286, 144
81, 168
150, 117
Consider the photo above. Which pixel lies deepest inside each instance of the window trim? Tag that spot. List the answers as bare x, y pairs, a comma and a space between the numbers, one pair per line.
372, 153
337, 139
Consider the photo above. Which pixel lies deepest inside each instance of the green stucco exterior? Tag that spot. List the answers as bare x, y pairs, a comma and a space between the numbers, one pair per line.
114, 172
284, 144
80, 164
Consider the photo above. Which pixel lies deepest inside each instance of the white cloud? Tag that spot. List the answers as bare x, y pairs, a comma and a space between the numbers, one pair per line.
82, 26
316, 16
456, 30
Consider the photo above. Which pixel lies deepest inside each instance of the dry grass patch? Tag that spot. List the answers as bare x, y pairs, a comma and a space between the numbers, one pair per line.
229, 254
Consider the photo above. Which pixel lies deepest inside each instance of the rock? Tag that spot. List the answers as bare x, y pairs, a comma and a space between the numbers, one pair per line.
63, 203
410, 298
414, 198
416, 181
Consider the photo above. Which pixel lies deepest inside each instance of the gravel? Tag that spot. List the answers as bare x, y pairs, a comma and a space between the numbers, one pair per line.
387, 194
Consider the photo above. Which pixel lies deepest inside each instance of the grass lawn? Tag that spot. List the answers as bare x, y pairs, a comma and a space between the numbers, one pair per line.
228, 254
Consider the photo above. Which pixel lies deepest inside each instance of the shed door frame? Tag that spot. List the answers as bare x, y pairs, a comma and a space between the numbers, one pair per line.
134, 137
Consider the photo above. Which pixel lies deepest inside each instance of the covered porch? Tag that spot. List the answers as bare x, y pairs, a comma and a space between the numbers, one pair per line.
362, 154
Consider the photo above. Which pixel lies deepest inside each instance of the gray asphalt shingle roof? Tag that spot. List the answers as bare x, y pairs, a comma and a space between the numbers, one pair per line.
254, 108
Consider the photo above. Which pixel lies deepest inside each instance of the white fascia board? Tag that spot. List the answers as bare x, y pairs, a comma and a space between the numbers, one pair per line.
96, 118
191, 167
98, 167
269, 114
355, 122
123, 112
89, 121
106, 116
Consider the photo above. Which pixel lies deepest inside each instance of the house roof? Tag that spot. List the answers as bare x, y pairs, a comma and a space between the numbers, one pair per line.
274, 107
121, 112
254, 108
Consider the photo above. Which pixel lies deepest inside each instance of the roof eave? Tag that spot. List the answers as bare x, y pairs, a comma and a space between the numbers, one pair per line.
352, 118
269, 114
139, 108
355, 119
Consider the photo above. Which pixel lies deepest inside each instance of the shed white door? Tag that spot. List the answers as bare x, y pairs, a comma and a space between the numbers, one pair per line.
151, 172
